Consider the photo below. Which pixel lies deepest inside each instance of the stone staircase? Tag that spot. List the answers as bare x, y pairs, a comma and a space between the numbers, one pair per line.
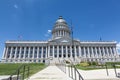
50, 73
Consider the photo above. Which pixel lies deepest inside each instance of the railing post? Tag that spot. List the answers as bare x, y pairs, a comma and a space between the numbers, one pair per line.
28, 71
107, 70
71, 72
17, 74
115, 69
75, 72
23, 72
10, 77
79, 77
65, 67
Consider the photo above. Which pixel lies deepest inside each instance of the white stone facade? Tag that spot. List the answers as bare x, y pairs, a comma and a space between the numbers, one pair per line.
60, 46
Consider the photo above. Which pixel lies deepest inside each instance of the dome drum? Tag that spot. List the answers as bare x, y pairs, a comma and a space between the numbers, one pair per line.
61, 29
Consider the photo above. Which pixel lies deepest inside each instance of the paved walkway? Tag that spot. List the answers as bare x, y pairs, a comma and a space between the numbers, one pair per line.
99, 74
54, 73
50, 73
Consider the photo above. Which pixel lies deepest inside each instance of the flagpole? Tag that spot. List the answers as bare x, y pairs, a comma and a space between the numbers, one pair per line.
73, 54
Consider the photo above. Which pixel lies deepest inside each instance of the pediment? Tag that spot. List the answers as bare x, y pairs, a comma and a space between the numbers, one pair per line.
62, 40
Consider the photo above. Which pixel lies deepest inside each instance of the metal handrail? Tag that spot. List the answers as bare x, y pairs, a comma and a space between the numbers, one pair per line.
75, 71
115, 70
20, 75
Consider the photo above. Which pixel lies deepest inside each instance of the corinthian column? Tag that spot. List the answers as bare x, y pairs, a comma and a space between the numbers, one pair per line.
71, 51
62, 51
37, 52
48, 51
53, 51
15, 53
75, 55
66, 52
57, 51
11, 51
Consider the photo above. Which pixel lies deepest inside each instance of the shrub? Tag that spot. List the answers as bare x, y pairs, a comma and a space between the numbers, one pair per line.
94, 63
67, 62
90, 63
85, 64
82, 61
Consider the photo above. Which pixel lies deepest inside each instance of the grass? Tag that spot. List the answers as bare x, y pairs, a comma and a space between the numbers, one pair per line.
10, 68
36, 67
90, 67
7, 69
94, 67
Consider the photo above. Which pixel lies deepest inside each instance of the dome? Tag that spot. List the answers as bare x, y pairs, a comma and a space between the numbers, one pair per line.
60, 29
60, 20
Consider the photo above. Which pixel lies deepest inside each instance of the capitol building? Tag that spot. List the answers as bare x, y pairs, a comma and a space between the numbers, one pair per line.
61, 46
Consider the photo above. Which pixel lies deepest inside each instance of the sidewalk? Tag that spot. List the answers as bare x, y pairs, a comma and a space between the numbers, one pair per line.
99, 74
50, 73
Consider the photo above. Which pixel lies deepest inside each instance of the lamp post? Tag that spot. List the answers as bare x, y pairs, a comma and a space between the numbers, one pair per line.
73, 52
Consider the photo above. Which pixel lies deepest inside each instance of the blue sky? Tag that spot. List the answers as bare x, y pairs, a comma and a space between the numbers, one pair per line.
32, 19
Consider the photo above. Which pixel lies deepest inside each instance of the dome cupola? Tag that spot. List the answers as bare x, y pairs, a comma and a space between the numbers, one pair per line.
60, 29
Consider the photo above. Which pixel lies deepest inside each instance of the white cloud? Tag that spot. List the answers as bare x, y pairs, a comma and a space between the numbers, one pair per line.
49, 31
16, 6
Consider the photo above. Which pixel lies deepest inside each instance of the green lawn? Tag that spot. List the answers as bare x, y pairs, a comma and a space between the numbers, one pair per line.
94, 67
9, 68
90, 67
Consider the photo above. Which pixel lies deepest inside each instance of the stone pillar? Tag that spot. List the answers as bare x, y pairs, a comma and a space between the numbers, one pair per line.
62, 51
111, 54
88, 52
53, 51
75, 55
100, 56
11, 51
114, 50
37, 52
71, 51
103, 51
63, 33
115, 53
28, 54
96, 55
92, 52
20, 53
33, 53
48, 51
80, 55
42, 53
107, 52
24, 53
6, 53
66, 52
84, 52
46, 55
15, 53
57, 51
60, 33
